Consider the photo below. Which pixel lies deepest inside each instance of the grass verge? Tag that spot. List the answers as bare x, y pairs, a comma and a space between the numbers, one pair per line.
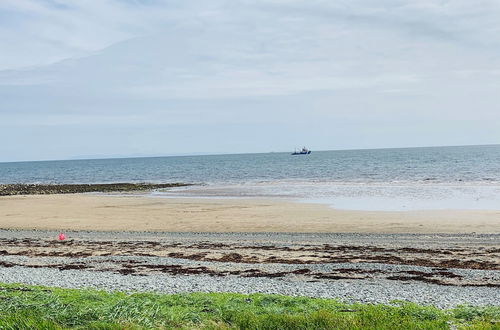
33, 307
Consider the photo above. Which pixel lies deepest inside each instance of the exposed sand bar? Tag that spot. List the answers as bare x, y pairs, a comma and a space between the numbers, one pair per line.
135, 213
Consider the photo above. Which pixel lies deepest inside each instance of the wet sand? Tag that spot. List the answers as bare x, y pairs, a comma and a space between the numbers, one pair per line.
136, 213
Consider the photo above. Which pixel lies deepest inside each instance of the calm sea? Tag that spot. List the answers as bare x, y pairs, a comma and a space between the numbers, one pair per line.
383, 179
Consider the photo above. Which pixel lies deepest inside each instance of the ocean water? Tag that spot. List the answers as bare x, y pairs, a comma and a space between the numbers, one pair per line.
381, 179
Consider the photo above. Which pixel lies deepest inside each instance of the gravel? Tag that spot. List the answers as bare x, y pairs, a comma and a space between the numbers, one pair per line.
367, 290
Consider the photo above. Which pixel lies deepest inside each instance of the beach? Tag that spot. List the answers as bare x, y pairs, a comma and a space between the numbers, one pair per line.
138, 213
131, 242
441, 270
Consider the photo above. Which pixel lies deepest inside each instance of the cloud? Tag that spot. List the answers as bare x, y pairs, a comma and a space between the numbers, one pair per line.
42, 32
154, 63
35, 32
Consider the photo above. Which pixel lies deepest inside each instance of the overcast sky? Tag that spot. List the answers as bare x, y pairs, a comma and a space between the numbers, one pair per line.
151, 77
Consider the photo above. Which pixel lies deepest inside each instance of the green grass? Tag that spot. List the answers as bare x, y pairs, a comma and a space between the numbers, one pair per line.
31, 307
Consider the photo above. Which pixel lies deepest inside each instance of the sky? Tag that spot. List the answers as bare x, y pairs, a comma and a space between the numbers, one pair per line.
113, 78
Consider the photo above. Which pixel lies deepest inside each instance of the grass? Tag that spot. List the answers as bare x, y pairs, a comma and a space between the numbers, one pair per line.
33, 307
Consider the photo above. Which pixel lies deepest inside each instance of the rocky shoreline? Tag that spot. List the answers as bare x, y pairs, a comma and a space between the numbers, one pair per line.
48, 189
440, 270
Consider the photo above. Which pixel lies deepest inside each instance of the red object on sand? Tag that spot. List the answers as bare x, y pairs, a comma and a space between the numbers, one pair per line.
61, 237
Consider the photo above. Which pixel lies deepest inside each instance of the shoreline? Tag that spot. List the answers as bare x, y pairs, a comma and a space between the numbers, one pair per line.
385, 197
145, 214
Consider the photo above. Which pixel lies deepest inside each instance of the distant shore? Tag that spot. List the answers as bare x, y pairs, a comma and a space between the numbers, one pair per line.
139, 213
49, 189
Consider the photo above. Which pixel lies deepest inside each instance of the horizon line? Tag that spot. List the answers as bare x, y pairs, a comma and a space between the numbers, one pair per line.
195, 154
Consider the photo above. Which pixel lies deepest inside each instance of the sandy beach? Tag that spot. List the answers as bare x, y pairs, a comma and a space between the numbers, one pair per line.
138, 213
178, 245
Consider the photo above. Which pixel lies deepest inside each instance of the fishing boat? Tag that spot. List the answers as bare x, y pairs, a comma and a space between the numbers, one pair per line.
304, 151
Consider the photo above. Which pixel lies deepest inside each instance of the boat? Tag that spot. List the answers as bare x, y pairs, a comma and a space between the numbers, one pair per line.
304, 151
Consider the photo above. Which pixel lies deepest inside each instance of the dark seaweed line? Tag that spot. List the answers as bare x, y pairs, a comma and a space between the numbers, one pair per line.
47, 189
339, 274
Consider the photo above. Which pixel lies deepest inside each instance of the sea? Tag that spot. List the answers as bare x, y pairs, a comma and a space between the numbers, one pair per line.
430, 178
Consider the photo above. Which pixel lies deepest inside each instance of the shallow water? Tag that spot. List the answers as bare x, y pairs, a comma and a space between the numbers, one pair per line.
382, 179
